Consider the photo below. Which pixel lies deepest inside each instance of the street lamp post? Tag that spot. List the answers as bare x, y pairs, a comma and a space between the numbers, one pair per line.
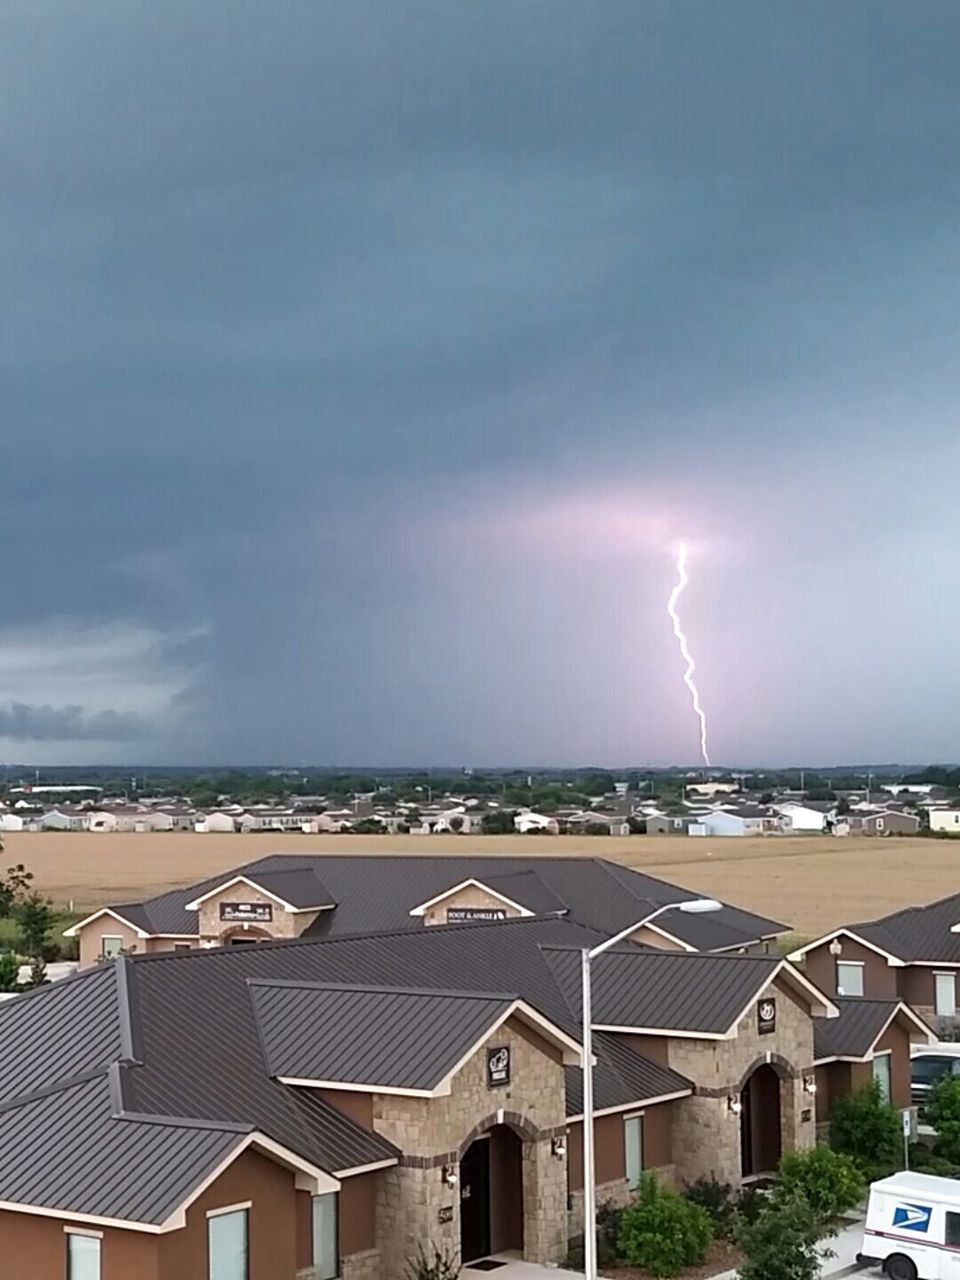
693, 906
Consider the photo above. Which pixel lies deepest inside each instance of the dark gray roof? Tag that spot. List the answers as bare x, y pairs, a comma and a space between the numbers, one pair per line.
665, 990
854, 1033
67, 1150
377, 893
370, 1035
300, 886
621, 1076
917, 933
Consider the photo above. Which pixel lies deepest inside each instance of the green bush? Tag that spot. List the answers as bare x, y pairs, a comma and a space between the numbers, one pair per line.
718, 1200
864, 1126
830, 1181
433, 1264
662, 1232
608, 1233
751, 1202
781, 1244
943, 1114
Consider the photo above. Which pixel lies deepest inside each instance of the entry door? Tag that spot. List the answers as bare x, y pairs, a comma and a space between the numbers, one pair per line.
475, 1202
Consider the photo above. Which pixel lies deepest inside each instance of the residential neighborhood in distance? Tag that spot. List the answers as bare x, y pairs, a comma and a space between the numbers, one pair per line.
586, 802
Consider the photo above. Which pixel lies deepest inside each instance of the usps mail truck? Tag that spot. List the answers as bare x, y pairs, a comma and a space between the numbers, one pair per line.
913, 1227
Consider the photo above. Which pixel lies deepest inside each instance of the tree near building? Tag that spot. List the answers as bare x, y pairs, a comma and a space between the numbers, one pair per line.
943, 1113
498, 823
863, 1125
782, 1242
35, 920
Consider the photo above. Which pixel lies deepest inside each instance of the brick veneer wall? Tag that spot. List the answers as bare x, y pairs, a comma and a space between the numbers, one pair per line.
435, 1132
706, 1134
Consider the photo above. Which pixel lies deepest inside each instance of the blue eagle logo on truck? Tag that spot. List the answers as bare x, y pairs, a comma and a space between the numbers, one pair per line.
912, 1217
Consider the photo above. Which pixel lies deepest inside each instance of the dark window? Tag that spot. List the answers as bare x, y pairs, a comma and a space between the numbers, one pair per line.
952, 1229
927, 1070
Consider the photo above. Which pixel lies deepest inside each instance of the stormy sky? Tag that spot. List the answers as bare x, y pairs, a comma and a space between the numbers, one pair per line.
363, 363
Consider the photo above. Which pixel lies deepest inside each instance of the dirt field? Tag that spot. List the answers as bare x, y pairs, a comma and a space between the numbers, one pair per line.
810, 882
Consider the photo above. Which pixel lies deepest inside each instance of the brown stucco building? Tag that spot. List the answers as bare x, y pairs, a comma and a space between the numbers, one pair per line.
316, 1107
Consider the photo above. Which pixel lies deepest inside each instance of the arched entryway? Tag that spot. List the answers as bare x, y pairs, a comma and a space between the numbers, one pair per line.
243, 936
491, 1194
760, 1136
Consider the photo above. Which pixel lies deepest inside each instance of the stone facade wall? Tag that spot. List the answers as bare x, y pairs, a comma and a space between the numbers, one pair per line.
468, 897
706, 1134
283, 925
433, 1133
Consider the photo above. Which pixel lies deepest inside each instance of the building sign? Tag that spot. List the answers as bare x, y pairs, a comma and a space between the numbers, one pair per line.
246, 912
766, 1017
498, 1066
458, 915
445, 1213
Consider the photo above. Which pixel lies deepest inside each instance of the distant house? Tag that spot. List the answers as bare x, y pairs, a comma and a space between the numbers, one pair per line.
11, 822
945, 820
587, 820
65, 819
660, 824
886, 822
528, 821
217, 820
807, 816
745, 821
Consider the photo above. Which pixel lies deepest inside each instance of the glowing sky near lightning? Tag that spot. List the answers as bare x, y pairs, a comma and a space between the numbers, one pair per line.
690, 666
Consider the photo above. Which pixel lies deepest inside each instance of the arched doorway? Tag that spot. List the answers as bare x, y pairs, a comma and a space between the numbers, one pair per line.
491, 1195
760, 1137
244, 936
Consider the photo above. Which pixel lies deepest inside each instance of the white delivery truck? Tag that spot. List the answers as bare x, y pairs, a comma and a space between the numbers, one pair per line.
913, 1227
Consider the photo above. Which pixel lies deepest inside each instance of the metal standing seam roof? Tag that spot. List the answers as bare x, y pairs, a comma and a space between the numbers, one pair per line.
917, 933
666, 990
377, 892
854, 1033
299, 886
370, 1036
621, 1076
65, 1150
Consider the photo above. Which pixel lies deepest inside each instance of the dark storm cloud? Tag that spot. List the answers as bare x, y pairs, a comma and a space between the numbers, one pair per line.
23, 723
299, 302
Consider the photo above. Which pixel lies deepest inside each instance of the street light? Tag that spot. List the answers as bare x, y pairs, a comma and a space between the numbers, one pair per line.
693, 906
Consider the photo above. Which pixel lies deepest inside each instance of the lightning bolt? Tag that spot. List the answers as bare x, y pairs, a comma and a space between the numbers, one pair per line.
682, 580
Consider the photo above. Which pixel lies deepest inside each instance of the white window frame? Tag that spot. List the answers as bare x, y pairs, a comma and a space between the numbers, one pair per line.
944, 1013
850, 964
110, 937
321, 1271
76, 1232
244, 1207
887, 1056
631, 1117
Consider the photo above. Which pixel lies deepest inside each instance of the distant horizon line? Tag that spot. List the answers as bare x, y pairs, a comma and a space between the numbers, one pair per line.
713, 770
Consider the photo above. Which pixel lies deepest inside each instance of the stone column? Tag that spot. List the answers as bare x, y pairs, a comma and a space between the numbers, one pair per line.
706, 1139
415, 1207
544, 1202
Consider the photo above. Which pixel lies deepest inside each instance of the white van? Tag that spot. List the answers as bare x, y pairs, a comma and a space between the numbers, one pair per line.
913, 1227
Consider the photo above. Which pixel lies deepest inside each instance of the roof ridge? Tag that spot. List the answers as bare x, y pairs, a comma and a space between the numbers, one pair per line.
407, 931
381, 990
58, 1086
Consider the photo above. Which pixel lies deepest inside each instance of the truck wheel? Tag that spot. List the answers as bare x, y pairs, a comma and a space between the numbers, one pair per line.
899, 1267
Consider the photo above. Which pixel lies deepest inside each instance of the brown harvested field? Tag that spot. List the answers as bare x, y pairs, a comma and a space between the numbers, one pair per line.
811, 883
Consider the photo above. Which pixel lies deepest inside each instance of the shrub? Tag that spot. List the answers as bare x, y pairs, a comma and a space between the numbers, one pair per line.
781, 1244
751, 1202
943, 1113
717, 1199
9, 971
433, 1263
830, 1181
608, 1233
865, 1127
662, 1232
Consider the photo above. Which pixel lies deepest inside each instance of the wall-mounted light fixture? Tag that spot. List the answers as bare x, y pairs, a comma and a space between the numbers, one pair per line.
558, 1147
451, 1175
835, 948
810, 1084
734, 1105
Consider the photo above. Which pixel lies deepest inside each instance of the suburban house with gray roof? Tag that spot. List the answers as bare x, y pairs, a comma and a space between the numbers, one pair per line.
323, 896
911, 955
316, 1106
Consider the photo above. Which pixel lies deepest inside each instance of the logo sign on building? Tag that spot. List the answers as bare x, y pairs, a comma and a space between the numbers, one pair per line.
912, 1217
459, 915
498, 1066
766, 1017
246, 912
445, 1213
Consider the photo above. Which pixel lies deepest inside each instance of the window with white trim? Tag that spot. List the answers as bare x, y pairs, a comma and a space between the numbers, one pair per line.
849, 977
227, 1244
326, 1241
633, 1148
881, 1073
83, 1256
945, 994
110, 946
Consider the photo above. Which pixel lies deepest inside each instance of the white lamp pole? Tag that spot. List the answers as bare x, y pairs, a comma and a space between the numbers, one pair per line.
693, 906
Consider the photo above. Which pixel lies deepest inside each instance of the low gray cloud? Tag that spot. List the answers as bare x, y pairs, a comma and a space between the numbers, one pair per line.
23, 722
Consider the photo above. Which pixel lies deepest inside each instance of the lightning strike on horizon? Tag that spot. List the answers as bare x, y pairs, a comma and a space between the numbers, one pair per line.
682, 580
